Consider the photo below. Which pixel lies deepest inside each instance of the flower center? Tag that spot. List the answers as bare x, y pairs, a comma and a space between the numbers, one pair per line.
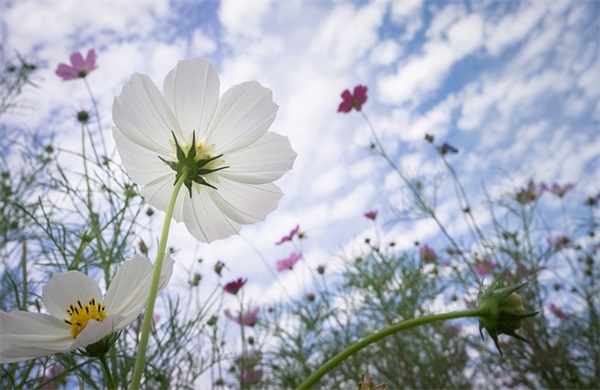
195, 163
80, 314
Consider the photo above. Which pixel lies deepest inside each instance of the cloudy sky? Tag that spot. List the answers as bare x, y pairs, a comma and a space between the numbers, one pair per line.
515, 86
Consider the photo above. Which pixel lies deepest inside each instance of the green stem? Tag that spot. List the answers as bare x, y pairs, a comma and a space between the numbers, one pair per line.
110, 382
147, 323
354, 348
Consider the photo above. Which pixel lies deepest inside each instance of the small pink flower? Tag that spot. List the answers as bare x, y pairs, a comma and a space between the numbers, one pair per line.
79, 67
247, 319
427, 254
288, 263
295, 231
235, 286
252, 377
559, 190
558, 312
485, 267
355, 100
371, 214
531, 193
50, 377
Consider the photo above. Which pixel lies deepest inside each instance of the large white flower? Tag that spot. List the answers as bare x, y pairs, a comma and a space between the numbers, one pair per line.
224, 142
79, 316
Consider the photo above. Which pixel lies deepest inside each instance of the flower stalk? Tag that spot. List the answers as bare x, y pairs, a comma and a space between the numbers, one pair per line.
354, 348
147, 322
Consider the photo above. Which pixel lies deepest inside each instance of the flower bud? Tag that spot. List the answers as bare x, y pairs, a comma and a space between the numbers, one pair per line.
503, 311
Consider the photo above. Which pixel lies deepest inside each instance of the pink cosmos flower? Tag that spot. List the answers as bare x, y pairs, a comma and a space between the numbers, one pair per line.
558, 312
79, 67
427, 254
50, 376
290, 236
288, 263
531, 193
485, 267
371, 214
253, 376
247, 319
559, 190
235, 286
355, 100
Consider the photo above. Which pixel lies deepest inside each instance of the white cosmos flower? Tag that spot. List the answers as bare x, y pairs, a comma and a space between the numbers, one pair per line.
71, 298
237, 159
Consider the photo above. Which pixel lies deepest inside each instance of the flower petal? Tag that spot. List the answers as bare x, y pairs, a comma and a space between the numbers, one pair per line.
65, 72
96, 331
143, 115
142, 164
158, 192
25, 335
192, 91
65, 289
264, 161
205, 220
77, 61
129, 289
90, 60
245, 113
245, 203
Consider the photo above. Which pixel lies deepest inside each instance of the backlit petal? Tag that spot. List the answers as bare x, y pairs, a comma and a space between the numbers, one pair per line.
192, 91
142, 164
96, 331
143, 115
264, 161
129, 289
43, 333
66, 288
246, 203
205, 220
245, 113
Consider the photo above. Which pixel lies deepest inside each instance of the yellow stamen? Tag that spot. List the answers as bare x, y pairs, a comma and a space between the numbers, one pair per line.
80, 314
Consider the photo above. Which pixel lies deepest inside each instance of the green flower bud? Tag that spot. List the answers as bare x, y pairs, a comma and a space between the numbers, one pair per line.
503, 311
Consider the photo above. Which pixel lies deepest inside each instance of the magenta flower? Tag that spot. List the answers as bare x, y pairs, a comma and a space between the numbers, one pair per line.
560, 242
79, 67
295, 231
558, 312
247, 319
427, 254
235, 286
531, 193
252, 377
355, 100
288, 263
559, 190
51, 377
485, 267
371, 214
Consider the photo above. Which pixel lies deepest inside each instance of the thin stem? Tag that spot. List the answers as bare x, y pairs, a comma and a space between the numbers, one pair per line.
110, 382
354, 348
97, 114
147, 323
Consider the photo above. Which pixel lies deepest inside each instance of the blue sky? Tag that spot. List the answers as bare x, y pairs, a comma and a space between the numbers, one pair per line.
515, 86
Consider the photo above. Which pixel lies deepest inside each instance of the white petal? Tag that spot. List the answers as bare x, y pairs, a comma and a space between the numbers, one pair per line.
25, 335
142, 164
143, 115
264, 161
95, 331
158, 192
66, 288
129, 289
204, 220
246, 203
245, 113
192, 91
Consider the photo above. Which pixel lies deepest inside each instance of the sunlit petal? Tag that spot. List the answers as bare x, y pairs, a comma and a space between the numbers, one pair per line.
192, 91
65, 289
245, 113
